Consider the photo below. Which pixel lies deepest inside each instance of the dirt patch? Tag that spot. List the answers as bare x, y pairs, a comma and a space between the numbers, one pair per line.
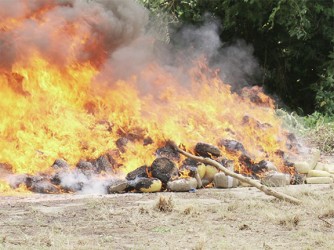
240, 218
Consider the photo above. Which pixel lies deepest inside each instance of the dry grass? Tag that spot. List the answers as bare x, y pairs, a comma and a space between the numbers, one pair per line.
328, 214
289, 221
239, 218
165, 204
322, 135
200, 245
188, 210
317, 129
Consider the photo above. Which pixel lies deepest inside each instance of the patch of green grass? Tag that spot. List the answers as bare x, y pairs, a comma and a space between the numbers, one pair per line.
317, 128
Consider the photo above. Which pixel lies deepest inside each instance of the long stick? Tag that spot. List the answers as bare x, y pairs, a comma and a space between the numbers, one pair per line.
242, 178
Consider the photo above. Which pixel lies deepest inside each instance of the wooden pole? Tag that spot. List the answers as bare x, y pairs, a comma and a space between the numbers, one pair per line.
242, 178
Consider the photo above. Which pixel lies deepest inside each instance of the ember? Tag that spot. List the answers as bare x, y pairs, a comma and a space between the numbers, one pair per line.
76, 110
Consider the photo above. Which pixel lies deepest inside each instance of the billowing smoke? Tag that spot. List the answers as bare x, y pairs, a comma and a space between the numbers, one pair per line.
236, 64
87, 31
84, 183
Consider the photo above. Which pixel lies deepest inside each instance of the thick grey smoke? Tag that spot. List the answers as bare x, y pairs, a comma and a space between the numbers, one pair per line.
203, 40
71, 30
236, 64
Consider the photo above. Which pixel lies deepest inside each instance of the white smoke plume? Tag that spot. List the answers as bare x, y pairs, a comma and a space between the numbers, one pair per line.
77, 181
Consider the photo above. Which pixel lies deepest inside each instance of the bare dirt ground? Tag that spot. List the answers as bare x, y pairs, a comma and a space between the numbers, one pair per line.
240, 218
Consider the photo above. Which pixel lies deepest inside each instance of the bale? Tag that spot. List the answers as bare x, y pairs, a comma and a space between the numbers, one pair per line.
182, 185
113, 156
72, 187
169, 151
319, 180
148, 185
194, 167
55, 179
43, 186
207, 150
302, 167
86, 167
117, 186
232, 146
268, 165
188, 162
137, 173
276, 180
60, 164
210, 172
254, 94
223, 181
201, 169
318, 173
164, 169
103, 164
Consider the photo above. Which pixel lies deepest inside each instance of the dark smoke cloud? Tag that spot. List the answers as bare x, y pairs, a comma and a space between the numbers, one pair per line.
203, 40
236, 63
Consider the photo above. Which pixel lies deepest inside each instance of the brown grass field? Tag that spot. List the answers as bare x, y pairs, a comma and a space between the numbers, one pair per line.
240, 218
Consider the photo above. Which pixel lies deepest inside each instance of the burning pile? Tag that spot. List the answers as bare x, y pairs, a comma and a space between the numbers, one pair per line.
82, 90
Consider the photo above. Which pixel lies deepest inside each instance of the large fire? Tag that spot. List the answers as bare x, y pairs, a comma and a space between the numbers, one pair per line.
56, 100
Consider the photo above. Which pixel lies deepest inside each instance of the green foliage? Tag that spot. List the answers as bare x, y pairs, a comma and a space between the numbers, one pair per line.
313, 120
316, 128
297, 26
321, 132
292, 39
325, 88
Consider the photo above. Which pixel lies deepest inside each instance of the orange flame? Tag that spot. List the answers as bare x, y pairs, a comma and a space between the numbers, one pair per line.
70, 111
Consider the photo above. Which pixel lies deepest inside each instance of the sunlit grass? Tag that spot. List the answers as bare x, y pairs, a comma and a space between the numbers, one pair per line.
316, 129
